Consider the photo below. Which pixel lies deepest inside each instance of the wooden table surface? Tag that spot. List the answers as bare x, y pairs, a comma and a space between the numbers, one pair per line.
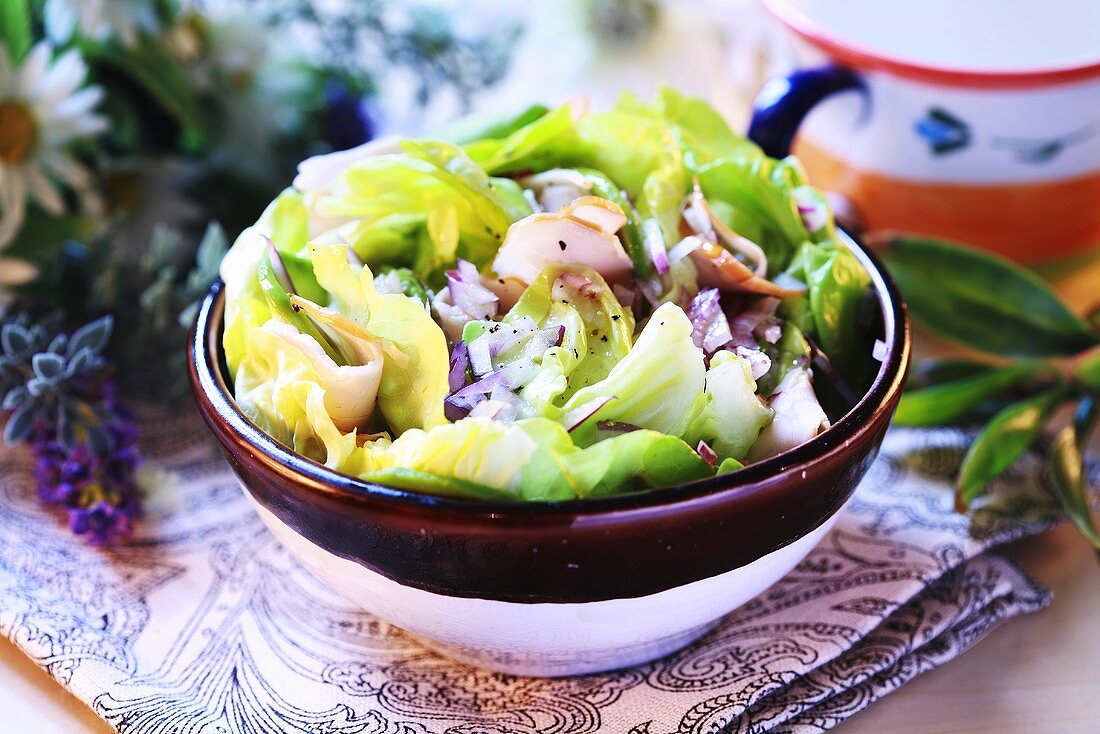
1038, 673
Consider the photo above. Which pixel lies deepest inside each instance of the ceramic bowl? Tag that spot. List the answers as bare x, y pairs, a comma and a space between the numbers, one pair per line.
556, 588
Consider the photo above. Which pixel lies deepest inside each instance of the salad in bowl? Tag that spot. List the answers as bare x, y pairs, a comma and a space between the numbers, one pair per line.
559, 305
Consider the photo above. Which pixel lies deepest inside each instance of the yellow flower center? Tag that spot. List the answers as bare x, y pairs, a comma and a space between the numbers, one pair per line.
18, 131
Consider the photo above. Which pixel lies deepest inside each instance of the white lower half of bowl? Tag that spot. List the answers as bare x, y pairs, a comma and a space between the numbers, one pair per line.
549, 640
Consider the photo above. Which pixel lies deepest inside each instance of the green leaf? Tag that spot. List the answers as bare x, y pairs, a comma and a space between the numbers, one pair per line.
20, 423
15, 28
936, 371
949, 401
472, 128
1004, 440
1087, 371
984, 301
154, 68
93, 336
1067, 469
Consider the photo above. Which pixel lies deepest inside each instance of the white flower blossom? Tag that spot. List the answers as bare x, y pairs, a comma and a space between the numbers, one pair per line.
44, 107
99, 20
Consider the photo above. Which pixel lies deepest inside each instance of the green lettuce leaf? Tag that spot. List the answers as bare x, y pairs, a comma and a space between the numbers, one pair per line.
658, 385
733, 416
549, 141
421, 208
285, 222
414, 373
284, 385
635, 461
638, 150
829, 311
472, 128
532, 459
598, 331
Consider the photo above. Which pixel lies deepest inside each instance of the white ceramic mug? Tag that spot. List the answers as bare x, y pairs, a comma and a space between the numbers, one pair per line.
971, 120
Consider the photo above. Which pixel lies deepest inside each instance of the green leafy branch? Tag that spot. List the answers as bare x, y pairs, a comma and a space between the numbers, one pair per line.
1042, 356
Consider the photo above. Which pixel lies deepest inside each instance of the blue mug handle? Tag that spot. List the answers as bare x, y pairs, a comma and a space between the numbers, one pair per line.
784, 102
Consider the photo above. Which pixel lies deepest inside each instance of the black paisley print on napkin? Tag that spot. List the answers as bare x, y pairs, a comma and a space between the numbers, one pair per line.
203, 623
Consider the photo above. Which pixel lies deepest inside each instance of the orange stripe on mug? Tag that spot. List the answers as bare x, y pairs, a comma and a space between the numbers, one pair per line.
1011, 219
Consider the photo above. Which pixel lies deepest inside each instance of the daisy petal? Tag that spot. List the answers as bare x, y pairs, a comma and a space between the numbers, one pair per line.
13, 200
63, 78
43, 191
67, 169
33, 68
78, 104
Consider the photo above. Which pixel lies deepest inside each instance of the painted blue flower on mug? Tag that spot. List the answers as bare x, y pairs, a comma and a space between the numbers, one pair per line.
943, 131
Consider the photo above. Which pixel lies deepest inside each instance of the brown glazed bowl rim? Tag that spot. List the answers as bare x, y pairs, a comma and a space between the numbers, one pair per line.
212, 393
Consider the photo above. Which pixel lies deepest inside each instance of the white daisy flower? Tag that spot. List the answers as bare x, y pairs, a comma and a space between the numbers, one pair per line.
99, 20
43, 108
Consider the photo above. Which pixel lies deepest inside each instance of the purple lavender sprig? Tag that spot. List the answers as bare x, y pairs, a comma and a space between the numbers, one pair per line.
84, 440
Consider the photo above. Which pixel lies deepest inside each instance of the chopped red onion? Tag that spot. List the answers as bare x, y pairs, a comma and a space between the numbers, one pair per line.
710, 329
654, 242
556, 335
388, 283
453, 412
684, 247
472, 394
467, 272
451, 318
651, 290
519, 372
626, 296
759, 363
460, 361
814, 213
481, 357
503, 336
501, 405
697, 216
581, 413
487, 408
573, 285
468, 294
756, 323
707, 453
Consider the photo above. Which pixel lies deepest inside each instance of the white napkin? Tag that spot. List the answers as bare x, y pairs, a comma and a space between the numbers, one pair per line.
203, 623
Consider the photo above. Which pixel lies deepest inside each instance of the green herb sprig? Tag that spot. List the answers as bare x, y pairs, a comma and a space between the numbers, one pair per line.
1041, 356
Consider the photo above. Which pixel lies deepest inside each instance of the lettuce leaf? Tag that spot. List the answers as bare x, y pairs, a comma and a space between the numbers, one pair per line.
472, 128
633, 461
533, 459
414, 373
421, 208
478, 450
733, 417
284, 386
658, 385
285, 222
598, 331
550, 141
637, 149
829, 311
